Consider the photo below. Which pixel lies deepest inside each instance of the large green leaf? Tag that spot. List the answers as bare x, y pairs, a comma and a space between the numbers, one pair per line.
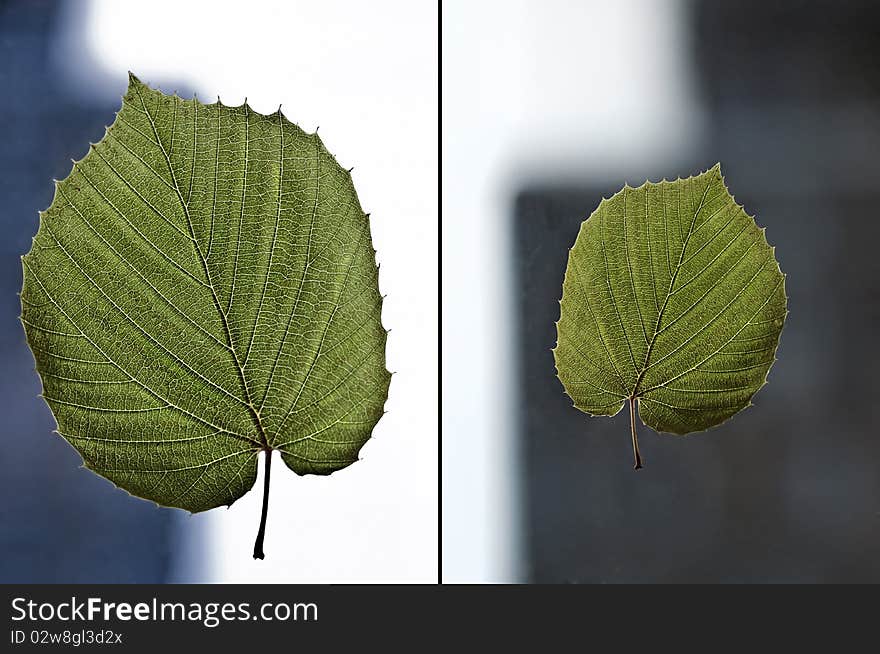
673, 301
203, 288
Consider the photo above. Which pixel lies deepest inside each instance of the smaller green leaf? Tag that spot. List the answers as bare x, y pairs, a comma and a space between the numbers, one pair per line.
673, 301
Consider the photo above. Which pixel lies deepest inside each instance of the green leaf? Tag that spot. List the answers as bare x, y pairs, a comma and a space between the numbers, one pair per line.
673, 301
203, 288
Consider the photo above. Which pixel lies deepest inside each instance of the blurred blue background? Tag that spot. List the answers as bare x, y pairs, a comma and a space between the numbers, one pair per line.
58, 522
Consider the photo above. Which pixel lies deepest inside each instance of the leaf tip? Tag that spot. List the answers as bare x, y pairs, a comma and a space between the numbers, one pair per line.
133, 80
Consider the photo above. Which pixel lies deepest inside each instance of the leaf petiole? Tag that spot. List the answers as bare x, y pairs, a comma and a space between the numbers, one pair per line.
258, 544
635, 438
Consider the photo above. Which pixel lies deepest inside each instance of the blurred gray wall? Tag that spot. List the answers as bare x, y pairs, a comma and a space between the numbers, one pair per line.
789, 490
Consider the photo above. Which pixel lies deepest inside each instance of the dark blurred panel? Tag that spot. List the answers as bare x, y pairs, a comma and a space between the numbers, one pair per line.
58, 522
788, 490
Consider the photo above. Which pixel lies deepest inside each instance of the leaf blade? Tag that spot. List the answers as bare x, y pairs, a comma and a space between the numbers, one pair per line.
715, 327
174, 265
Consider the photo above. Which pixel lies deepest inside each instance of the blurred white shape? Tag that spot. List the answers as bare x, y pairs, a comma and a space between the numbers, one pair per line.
604, 84
367, 74
544, 91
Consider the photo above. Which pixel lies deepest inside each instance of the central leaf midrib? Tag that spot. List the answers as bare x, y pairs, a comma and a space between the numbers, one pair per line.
223, 319
641, 375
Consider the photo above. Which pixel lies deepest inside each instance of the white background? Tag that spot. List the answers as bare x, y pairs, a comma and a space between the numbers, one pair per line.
366, 73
